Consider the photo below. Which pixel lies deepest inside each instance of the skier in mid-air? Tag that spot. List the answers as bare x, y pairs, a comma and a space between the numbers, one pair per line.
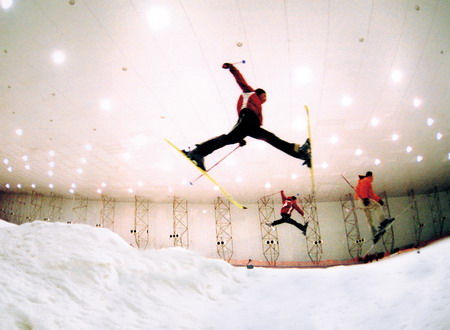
249, 108
289, 205
372, 205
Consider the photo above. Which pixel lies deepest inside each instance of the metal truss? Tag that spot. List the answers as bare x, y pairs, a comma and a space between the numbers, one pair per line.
388, 238
270, 244
224, 235
313, 238
141, 226
436, 212
418, 226
180, 223
79, 208
354, 241
107, 212
55, 207
7, 207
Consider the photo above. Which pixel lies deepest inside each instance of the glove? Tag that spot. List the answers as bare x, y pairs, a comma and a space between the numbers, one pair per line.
242, 143
226, 66
366, 201
381, 202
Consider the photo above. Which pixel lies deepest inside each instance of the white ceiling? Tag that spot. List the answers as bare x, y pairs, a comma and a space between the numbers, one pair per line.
167, 81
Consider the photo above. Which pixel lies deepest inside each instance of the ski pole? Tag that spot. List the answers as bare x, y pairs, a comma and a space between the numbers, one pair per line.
240, 62
217, 163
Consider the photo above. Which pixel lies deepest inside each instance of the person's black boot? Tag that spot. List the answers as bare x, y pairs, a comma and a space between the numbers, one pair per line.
305, 227
197, 158
304, 152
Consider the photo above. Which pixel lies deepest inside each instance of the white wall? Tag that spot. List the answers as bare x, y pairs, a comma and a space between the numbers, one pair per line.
245, 226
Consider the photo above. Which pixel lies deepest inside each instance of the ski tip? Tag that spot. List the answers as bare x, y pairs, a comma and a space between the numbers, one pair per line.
245, 207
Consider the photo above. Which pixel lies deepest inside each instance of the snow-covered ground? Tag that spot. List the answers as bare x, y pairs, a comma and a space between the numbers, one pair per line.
60, 276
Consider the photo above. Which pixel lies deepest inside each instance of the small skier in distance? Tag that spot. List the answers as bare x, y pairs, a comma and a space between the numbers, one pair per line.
289, 204
249, 109
372, 205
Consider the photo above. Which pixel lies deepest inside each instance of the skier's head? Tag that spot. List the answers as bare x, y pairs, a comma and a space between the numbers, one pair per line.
261, 94
292, 198
369, 173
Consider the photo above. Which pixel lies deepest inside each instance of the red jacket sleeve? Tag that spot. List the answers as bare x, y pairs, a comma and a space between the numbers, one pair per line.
240, 80
299, 210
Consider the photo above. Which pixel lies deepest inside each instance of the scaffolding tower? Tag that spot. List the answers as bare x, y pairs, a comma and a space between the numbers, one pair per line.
180, 223
141, 225
436, 212
313, 238
224, 235
55, 207
388, 238
269, 236
107, 212
79, 208
418, 226
354, 240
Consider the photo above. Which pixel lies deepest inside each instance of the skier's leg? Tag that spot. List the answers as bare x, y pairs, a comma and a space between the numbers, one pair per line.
293, 149
284, 219
368, 212
296, 224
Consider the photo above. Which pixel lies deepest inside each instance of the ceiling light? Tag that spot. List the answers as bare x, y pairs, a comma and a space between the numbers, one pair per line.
334, 139
419, 158
267, 185
105, 104
396, 76
346, 101
7, 186
303, 75
51, 186
19, 186
130, 190
83, 160
374, 122
51, 164
88, 147
19, 132
358, 152
324, 165
52, 153
395, 137
103, 184
6, 4
5, 161
27, 167
430, 121
294, 176
448, 156
71, 191
438, 136
216, 188
417, 102
73, 185
79, 170
377, 162
58, 57
24, 158
10, 169
50, 173
409, 149
99, 191
33, 186
158, 18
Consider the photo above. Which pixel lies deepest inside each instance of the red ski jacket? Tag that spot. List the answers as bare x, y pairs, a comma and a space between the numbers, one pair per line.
248, 99
289, 204
364, 189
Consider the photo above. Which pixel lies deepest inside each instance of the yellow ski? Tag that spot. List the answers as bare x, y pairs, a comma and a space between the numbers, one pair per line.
206, 174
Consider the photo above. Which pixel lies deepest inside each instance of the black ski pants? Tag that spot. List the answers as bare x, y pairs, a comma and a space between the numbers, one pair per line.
286, 218
247, 125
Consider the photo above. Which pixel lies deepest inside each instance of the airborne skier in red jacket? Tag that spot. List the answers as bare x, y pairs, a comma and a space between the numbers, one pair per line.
249, 108
289, 205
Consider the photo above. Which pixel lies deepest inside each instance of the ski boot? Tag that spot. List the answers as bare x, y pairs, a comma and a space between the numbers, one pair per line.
196, 158
304, 152
305, 227
269, 224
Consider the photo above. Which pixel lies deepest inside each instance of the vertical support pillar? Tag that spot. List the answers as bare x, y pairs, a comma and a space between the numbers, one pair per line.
141, 232
313, 238
55, 207
180, 223
21, 208
36, 206
2, 205
270, 244
224, 234
418, 226
436, 212
107, 212
354, 241
79, 208
388, 238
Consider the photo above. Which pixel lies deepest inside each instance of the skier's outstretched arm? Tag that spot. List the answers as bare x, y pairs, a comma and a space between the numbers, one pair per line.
283, 196
299, 210
239, 78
